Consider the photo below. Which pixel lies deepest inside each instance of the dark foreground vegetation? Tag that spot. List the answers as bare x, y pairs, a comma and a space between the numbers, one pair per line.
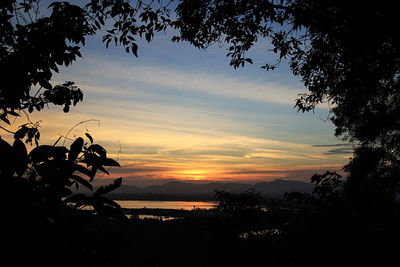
318, 230
347, 53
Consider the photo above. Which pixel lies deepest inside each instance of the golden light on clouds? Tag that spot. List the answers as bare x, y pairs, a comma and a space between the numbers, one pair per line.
163, 124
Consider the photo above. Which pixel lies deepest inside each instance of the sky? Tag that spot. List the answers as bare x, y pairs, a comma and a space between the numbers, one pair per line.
180, 113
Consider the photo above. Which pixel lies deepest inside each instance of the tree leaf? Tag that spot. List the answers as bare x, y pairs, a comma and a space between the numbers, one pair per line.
98, 149
21, 132
43, 152
106, 189
82, 181
101, 168
66, 192
109, 210
4, 118
93, 173
90, 137
45, 84
5, 159
109, 202
75, 149
20, 157
134, 49
110, 162
78, 199
12, 112
82, 169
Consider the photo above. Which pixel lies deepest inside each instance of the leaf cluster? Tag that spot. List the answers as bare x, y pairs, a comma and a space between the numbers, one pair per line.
141, 19
240, 24
347, 55
229, 202
33, 47
31, 50
52, 171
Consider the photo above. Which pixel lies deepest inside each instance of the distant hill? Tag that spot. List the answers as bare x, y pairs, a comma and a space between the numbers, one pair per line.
182, 190
279, 187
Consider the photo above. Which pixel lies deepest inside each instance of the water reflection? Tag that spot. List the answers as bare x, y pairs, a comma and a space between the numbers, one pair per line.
133, 217
151, 204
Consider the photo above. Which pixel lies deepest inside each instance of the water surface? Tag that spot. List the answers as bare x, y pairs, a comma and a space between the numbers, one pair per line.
153, 204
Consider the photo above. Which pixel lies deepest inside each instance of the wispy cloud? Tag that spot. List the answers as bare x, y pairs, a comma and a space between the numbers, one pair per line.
166, 77
158, 122
339, 149
333, 145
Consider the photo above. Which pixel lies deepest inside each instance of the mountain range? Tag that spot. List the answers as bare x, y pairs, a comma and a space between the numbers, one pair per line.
177, 188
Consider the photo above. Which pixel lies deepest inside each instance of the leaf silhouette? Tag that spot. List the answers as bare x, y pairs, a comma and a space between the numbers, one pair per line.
75, 149
110, 162
82, 181
21, 132
82, 169
109, 210
78, 199
109, 202
106, 189
98, 149
90, 137
20, 157
5, 160
41, 153
101, 168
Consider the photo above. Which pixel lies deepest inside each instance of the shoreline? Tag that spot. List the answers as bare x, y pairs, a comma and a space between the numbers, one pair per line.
175, 213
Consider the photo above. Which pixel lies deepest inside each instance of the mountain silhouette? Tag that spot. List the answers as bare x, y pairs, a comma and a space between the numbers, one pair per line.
274, 188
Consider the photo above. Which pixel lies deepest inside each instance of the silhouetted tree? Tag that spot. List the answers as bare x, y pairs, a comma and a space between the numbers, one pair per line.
228, 202
346, 53
36, 41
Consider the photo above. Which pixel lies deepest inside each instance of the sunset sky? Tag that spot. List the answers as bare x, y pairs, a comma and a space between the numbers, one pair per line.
179, 113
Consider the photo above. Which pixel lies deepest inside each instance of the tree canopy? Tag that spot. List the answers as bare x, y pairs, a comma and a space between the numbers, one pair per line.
346, 54
34, 43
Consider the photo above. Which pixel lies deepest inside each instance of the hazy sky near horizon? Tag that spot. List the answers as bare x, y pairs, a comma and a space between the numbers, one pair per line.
179, 113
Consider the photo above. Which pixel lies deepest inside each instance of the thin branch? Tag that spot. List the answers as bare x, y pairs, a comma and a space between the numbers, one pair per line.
62, 136
6, 130
82, 122
27, 116
38, 91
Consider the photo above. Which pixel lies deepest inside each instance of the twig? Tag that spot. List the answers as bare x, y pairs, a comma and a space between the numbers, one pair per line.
6, 130
82, 122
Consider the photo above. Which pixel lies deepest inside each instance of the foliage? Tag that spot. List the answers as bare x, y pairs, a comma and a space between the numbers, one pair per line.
229, 202
48, 174
328, 44
35, 44
347, 54
31, 49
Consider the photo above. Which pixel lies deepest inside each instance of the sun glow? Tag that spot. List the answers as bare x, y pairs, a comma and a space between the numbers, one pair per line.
196, 175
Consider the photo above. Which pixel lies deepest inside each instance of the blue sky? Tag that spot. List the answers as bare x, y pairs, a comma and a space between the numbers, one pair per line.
180, 113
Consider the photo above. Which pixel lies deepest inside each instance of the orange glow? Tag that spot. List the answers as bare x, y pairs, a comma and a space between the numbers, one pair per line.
196, 175
153, 148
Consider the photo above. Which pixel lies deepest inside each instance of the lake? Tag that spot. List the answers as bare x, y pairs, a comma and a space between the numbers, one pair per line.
150, 204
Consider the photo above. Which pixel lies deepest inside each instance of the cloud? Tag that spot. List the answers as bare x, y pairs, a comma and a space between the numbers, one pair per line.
176, 124
134, 169
298, 173
120, 74
339, 149
238, 176
332, 145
